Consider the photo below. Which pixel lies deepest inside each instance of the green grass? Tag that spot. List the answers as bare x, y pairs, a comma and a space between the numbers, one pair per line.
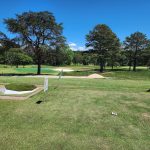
20, 87
142, 73
76, 114
30, 69
138, 75
34, 70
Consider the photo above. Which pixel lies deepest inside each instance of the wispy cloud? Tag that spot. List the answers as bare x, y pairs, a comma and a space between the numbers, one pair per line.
72, 44
75, 47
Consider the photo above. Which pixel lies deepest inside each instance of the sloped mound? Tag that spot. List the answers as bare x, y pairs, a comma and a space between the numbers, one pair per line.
96, 76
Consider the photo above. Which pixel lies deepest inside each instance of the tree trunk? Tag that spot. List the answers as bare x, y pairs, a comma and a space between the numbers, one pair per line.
101, 67
129, 67
39, 65
130, 64
135, 59
134, 64
39, 68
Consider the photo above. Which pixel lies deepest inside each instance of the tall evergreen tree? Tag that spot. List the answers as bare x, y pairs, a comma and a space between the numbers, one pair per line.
102, 41
135, 43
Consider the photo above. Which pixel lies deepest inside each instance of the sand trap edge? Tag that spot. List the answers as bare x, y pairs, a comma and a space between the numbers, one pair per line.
11, 97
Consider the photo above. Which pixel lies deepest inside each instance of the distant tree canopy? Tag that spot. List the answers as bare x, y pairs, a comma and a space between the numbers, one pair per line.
60, 56
104, 42
135, 44
16, 57
5, 45
39, 40
36, 29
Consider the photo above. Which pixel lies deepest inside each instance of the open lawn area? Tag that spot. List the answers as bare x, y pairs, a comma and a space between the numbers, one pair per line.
29, 69
76, 114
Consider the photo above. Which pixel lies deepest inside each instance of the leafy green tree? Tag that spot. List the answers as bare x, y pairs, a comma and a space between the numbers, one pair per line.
60, 56
145, 57
94, 59
25, 60
15, 56
36, 29
134, 44
86, 59
68, 55
78, 58
114, 56
102, 40
5, 45
148, 64
123, 61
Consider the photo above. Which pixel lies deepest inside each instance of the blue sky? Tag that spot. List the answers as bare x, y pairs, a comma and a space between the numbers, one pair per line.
79, 16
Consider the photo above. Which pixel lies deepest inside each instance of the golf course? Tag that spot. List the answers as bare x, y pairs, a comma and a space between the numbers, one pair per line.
75, 75
77, 113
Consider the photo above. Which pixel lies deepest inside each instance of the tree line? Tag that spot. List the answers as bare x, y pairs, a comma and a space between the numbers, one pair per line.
39, 40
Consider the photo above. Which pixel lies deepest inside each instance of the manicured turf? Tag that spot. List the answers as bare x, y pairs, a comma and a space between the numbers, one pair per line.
76, 114
20, 87
34, 70
31, 69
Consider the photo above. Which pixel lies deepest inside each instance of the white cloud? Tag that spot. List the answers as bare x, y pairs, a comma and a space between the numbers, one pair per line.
72, 44
81, 48
75, 47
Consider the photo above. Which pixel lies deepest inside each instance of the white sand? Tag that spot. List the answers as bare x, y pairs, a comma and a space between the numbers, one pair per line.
11, 92
96, 76
64, 69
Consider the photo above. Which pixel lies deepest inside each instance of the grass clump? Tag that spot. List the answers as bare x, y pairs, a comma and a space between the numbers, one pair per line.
20, 87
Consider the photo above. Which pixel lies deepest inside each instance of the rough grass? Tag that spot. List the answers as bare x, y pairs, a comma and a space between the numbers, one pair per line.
20, 87
142, 73
76, 114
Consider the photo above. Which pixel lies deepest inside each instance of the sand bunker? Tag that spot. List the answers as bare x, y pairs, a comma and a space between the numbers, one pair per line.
96, 76
64, 69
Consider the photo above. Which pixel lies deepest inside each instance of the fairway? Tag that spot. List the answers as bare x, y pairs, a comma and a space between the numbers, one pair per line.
29, 69
76, 114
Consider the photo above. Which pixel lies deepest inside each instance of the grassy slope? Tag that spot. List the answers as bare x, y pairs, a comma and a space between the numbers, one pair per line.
76, 114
